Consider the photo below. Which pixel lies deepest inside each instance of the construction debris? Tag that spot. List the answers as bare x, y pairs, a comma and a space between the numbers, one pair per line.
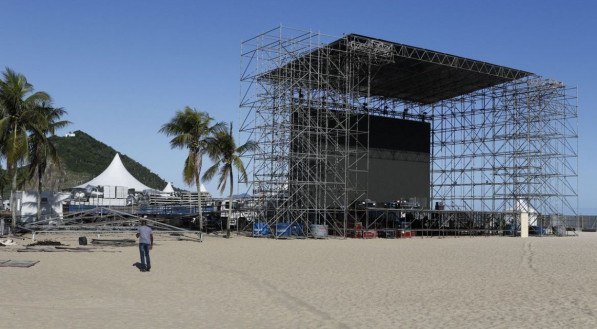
7, 242
18, 263
53, 249
45, 243
114, 242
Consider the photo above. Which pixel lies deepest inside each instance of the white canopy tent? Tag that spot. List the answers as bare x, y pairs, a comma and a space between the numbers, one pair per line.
525, 206
116, 175
170, 189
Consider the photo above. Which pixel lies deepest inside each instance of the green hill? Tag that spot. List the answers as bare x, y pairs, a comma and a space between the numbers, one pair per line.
83, 157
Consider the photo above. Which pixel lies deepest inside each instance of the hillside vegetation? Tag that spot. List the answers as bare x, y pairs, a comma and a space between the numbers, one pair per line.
83, 157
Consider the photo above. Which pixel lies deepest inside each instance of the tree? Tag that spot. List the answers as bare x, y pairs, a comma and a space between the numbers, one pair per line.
190, 129
19, 117
42, 149
223, 151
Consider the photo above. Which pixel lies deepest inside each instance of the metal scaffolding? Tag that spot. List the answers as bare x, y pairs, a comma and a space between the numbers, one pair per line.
502, 140
508, 147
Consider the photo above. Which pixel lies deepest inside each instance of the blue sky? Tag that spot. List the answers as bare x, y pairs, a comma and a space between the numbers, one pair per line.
122, 68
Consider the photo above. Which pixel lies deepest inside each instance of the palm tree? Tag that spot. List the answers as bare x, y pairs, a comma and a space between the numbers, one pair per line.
41, 147
190, 129
223, 152
19, 116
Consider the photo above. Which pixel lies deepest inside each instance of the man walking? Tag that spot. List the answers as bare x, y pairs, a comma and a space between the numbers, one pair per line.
145, 235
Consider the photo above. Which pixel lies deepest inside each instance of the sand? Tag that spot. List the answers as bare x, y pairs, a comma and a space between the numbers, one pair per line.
487, 282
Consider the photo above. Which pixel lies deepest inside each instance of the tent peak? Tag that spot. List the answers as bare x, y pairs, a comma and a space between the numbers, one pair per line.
116, 174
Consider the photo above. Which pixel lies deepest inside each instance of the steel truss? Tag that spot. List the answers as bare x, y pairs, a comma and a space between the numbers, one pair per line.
105, 221
510, 147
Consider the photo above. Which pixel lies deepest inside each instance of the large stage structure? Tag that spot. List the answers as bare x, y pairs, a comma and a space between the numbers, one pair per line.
502, 140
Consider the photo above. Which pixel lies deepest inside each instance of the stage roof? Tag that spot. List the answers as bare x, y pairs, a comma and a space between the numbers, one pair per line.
414, 74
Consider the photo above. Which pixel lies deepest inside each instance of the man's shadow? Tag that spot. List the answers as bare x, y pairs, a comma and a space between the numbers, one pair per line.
139, 266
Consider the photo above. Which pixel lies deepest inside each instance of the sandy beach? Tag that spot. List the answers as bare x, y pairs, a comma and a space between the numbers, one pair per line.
479, 282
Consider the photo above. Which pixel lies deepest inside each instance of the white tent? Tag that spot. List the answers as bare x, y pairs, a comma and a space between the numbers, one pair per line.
525, 206
168, 188
116, 175
51, 204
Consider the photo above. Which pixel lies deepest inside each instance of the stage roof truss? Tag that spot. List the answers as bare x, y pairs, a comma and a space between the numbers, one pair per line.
401, 71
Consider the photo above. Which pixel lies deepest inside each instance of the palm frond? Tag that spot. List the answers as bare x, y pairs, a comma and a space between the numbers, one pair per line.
249, 146
190, 170
223, 178
238, 164
38, 99
211, 172
180, 141
219, 127
59, 125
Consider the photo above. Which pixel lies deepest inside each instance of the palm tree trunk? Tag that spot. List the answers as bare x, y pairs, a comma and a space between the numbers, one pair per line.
229, 206
39, 188
13, 199
13, 187
198, 182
